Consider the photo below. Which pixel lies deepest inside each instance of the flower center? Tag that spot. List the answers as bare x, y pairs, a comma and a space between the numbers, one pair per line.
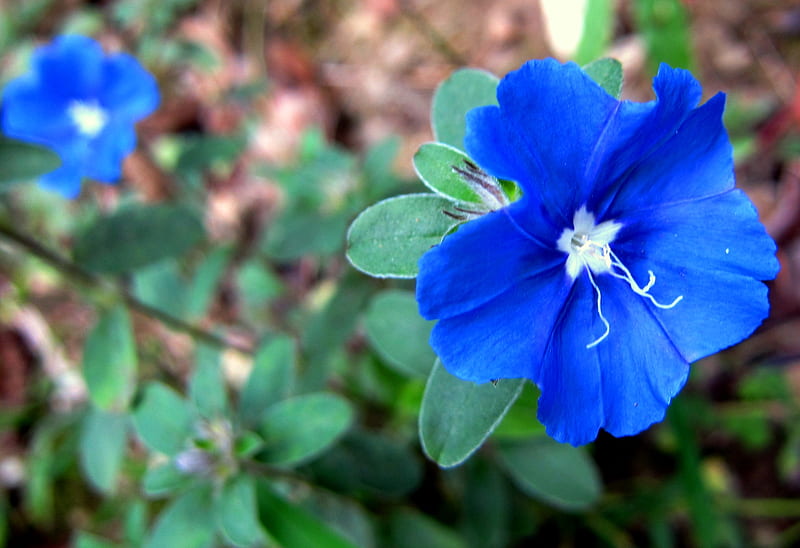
88, 116
588, 246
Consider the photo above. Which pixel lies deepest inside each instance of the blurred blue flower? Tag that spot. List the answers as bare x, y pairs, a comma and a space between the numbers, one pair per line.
629, 256
81, 103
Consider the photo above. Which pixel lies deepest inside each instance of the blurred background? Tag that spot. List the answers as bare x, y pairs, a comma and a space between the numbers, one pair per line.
280, 121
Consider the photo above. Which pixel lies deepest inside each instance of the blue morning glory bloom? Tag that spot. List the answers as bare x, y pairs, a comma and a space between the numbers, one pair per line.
81, 103
630, 255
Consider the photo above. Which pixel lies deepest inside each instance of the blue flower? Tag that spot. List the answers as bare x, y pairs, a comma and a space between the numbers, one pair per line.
82, 104
629, 256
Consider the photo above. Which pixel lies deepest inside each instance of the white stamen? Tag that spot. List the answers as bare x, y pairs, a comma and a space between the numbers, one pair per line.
628, 277
599, 311
588, 247
88, 116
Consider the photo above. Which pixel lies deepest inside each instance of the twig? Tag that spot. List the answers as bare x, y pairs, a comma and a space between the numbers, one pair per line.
90, 280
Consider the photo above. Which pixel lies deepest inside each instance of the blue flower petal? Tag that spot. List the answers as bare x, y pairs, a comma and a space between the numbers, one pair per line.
571, 404
642, 369
66, 180
696, 162
636, 130
713, 252
74, 62
482, 259
504, 337
32, 114
129, 91
108, 150
554, 115
487, 143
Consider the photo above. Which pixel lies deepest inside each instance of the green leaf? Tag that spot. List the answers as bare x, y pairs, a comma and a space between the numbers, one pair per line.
237, 512
21, 161
398, 333
109, 361
164, 479
301, 232
205, 281
270, 380
298, 429
558, 474
187, 522
163, 420
161, 286
137, 235
520, 421
487, 506
608, 73
457, 416
434, 164
366, 461
102, 448
464, 90
135, 522
86, 540
207, 385
665, 27
598, 26
409, 529
291, 526
387, 239
378, 169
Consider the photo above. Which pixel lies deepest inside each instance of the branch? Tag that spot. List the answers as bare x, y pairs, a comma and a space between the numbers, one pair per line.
90, 280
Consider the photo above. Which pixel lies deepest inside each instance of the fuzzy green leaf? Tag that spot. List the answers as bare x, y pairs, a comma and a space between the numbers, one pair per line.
457, 416
387, 239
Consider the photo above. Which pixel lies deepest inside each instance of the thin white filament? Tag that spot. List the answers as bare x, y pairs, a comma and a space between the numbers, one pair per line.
599, 311
628, 277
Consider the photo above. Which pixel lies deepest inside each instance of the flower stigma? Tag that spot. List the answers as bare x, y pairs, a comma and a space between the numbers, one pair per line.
88, 116
588, 246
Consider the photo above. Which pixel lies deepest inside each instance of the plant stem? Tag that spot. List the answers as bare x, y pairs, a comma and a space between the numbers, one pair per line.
90, 280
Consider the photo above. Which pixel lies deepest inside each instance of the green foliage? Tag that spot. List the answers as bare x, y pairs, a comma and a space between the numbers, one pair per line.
598, 26
556, 473
207, 386
270, 381
162, 419
387, 239
187, 522
457, 416
21, 162
434, 163
300, 428
664, 26
109, 361
608, 73
104, 437
237, 513
291, 526
464, 90
398, 333
137, 235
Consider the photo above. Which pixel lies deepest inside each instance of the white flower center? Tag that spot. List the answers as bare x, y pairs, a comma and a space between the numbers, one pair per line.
89, 117
589, 245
